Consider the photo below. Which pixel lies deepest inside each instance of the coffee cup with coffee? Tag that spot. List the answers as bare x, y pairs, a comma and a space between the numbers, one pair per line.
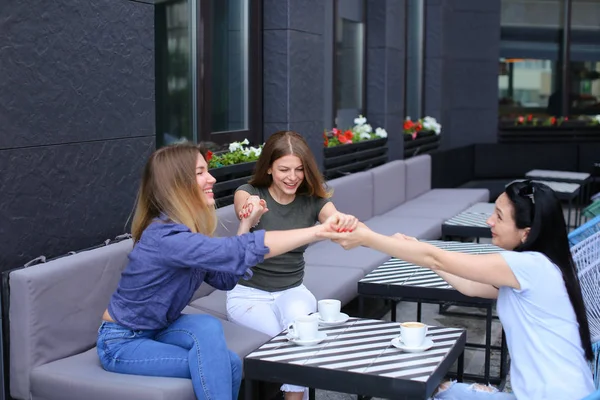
304, 328
329, 309
413, 334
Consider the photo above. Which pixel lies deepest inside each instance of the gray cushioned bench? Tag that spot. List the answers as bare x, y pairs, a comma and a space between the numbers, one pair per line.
56, 307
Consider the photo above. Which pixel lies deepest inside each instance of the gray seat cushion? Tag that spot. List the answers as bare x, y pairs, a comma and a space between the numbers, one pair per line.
328, 282
213, 304
419, 227
470, 196
427, 209
82, 377
332, 254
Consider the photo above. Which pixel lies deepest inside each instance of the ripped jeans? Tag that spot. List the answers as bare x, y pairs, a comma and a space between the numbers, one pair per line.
270, 312
467, 391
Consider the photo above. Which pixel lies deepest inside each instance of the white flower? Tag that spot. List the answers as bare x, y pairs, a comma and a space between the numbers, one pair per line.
246, 151
245, 141
431, 124
360, 120
380, 132
256, 151
597, 118
365, 136
407, 118
234, 146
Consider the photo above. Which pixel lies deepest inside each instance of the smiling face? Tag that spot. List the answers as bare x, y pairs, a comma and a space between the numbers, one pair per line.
205, 180
505, 233
288, 175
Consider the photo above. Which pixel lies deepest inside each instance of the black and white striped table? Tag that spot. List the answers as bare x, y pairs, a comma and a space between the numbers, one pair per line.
400, 280
470, 223
357, 357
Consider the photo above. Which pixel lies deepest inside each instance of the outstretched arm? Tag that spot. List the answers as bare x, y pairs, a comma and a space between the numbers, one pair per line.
489, 269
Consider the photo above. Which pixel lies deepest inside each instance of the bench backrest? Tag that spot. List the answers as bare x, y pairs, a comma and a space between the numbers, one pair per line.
55, 308
389, 186
418, 176
353, 194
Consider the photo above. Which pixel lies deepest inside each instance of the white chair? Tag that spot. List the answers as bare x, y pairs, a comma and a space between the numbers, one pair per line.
586, 255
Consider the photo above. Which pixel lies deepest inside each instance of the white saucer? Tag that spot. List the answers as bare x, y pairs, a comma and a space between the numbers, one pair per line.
342, 318
320, 337
427, 344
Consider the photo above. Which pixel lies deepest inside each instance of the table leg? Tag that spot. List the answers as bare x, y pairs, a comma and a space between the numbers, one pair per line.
569, 214
248, 389
419, 311
488, 343
393, 305
503, 357
460, 367
311, 394
361, 306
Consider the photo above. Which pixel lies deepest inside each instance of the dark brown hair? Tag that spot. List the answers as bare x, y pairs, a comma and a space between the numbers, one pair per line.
284, 143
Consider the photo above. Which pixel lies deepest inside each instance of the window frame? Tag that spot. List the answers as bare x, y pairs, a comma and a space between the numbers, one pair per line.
204, 66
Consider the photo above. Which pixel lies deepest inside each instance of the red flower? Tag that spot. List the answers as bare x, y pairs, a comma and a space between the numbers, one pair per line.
529, 117
348, 134
336, 132
209, 155
343, 139
408, 124
325, 139
419, 127
521, 119
553, 120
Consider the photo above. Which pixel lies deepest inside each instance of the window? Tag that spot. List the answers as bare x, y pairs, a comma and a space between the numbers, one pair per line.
349, 62
208, 70
550, 58
174, 117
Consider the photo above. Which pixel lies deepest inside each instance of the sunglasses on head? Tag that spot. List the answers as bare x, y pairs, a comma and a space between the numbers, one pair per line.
528, 191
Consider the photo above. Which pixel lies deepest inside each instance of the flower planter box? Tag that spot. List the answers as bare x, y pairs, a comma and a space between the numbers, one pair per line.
566, 132
229, 178
424, 143
355, 157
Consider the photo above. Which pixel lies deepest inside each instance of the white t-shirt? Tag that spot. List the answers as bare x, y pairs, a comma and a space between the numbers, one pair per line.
542, 332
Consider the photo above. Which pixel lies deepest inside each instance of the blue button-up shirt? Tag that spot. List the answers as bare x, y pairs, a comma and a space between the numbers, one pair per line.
168, 265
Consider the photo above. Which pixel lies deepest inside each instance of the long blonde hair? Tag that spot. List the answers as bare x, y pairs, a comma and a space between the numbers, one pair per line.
169, 188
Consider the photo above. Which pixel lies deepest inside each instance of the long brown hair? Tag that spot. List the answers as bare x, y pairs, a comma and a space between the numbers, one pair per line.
169, 187
284, 143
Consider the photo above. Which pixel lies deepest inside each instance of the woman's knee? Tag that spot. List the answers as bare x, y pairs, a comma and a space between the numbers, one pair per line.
201, 324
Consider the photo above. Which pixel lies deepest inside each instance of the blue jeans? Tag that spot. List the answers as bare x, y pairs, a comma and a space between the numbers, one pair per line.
465, 391
192, 347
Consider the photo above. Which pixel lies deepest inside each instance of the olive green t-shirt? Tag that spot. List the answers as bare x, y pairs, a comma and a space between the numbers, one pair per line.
286, 270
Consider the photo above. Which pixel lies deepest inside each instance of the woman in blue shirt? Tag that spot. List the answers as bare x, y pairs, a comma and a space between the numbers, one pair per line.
540, 303
143, 331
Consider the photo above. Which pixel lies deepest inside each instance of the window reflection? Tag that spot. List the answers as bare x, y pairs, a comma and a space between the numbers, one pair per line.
173, 72
229, 55
349, 61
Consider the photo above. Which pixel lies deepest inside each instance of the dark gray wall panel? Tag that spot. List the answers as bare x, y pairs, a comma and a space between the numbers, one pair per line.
67, 197
305, 76
275, 75
302, 16
75, 70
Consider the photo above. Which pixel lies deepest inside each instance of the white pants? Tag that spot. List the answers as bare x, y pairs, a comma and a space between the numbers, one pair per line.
270, 312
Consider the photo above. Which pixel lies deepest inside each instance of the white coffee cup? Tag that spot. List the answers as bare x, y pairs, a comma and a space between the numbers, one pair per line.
413, 334
329, 309
305, 327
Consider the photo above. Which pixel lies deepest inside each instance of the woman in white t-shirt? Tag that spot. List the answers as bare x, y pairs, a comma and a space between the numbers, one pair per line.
539, 304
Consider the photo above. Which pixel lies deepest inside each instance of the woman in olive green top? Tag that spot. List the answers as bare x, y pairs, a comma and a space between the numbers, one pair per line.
288, 180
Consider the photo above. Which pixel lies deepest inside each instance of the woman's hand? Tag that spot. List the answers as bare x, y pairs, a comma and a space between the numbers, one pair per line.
346, 222
348, 240
253, 209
